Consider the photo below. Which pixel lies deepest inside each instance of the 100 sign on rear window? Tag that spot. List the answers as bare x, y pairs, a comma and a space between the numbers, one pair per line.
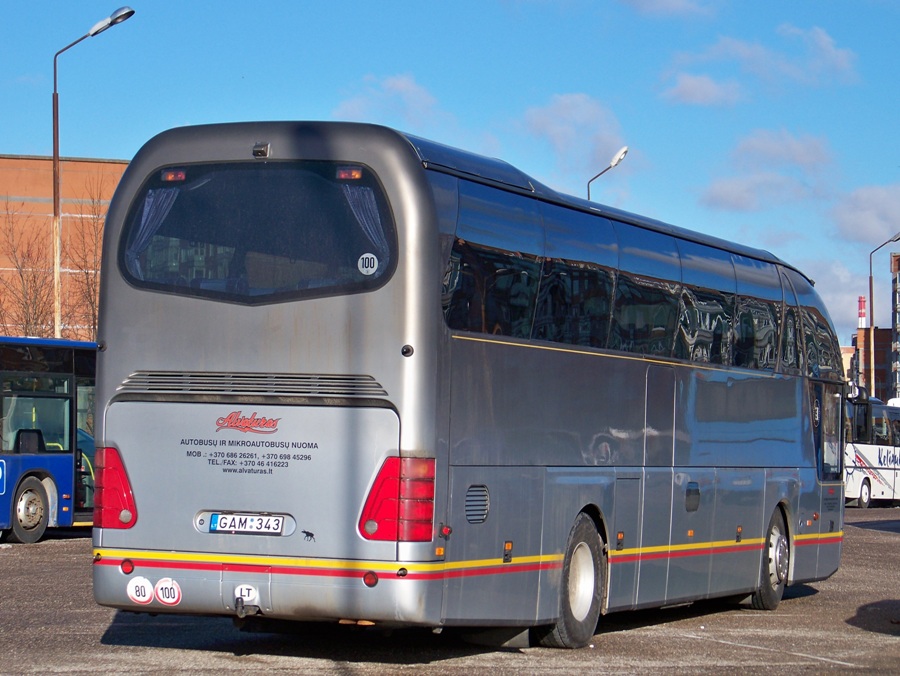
246, 523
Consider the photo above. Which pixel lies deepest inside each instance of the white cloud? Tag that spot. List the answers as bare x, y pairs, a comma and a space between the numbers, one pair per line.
869, 214
755, 192
398, 101
582, 132
702, 90
818, 62
823, 61
774, 167
765, 147
751, 57
670, 7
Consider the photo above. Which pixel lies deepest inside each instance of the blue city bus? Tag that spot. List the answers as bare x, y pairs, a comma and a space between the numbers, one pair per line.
47, 447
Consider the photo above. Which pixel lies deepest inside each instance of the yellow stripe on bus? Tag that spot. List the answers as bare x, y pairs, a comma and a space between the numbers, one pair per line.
240, 559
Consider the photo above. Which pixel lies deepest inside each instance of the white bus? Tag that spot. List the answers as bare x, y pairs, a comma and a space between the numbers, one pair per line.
872, 456
351, 375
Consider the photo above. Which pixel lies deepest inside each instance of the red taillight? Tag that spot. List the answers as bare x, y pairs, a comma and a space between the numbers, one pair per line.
400, 506
113, 500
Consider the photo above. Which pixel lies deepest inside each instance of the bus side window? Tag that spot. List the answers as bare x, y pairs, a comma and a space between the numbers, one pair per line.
706, 314
576, 292
495, 265
645, 311
861, 418
758, 313
882, 429
823, 358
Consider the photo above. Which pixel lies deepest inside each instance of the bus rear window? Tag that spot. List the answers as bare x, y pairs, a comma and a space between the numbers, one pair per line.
259, 233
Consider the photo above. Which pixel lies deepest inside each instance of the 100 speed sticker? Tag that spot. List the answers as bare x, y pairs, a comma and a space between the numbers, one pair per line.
142, 591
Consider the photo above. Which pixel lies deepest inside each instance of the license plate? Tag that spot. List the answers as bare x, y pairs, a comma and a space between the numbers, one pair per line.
252, 524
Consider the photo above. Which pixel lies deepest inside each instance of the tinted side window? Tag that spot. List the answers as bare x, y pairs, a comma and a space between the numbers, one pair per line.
823, 354
645, 312
791, 334
894, 417
575, 297
758, 313
444, 190
495, 263
706, 315
881, 427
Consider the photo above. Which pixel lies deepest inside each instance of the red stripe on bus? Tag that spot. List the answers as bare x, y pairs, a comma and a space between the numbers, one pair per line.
681, 554
331, 572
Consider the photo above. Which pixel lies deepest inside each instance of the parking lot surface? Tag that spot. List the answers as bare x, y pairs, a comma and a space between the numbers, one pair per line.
849, 623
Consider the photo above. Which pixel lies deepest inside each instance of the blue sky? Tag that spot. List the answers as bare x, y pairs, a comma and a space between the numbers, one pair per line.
770, 123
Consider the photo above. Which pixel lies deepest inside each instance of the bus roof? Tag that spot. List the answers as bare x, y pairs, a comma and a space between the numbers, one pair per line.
490, 170
47, 342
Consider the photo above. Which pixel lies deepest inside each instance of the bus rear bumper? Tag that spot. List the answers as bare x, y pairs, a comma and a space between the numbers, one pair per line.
382, 593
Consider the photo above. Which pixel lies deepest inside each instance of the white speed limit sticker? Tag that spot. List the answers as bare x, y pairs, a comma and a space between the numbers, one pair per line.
368, 264
167, 592
140, 590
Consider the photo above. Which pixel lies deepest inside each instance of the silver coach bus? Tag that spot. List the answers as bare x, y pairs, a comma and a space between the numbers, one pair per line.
347, 374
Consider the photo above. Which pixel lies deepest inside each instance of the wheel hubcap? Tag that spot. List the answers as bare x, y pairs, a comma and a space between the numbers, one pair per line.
779, 561
581, 581
29, 510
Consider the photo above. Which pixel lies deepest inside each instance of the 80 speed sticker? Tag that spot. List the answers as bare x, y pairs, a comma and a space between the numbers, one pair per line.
141, 591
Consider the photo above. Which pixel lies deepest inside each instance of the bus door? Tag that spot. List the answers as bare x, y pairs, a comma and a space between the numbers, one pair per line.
659, 449
36, 438
826, 401
891, 457
693, 508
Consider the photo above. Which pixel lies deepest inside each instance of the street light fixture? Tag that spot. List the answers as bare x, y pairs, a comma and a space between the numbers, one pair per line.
618, 157
871, 385
116, 17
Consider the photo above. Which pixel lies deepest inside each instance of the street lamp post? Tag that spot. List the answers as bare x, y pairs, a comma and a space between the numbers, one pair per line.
116, 17
618, 157
872, 316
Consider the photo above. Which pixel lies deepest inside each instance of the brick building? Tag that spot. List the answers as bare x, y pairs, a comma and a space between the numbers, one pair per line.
26, 242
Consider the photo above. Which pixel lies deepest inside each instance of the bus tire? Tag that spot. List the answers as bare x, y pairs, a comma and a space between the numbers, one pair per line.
580, 589
776, 561
865, 495
30, 513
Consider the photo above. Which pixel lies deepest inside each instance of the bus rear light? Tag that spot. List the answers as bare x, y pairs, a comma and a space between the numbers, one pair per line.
173, 175
114, 505
349, 173
400, 505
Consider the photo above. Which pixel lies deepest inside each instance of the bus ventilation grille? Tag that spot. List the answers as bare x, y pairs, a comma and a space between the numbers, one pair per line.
304, 385
478, 504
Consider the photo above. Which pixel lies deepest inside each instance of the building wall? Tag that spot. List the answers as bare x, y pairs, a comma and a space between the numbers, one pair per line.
26, 214
859, 370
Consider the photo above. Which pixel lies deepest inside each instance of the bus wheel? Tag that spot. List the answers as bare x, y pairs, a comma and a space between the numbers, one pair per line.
775, 564
865, 495
579, 603
29, 519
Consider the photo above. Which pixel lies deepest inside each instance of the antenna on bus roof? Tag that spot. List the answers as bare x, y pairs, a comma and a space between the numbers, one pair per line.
618, 157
